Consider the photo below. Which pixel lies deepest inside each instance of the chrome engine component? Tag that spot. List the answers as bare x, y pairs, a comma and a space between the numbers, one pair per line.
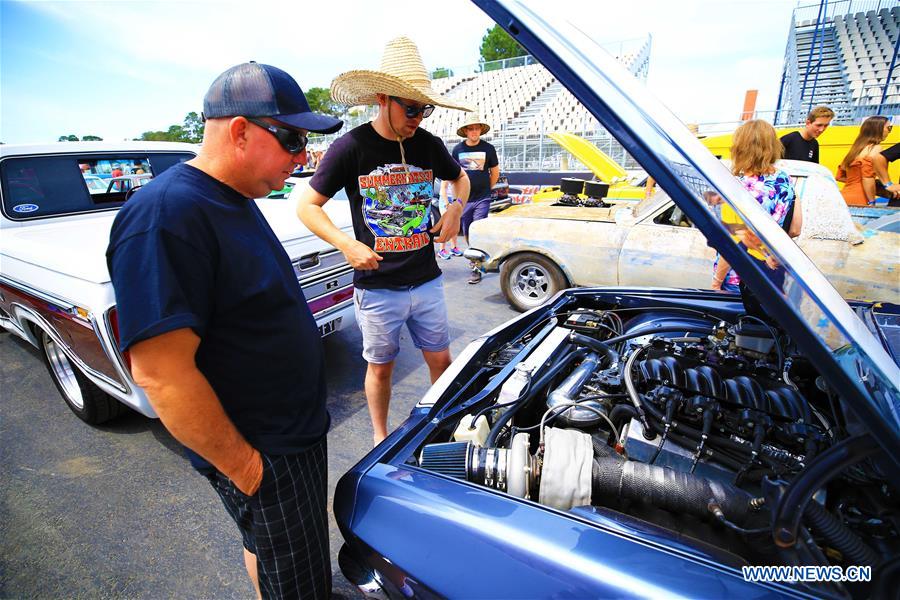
569, 390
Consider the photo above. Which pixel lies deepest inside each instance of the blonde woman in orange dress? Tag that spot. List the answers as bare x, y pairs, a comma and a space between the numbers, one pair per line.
856, 169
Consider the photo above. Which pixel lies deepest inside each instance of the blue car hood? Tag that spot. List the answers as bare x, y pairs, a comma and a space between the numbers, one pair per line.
824, 326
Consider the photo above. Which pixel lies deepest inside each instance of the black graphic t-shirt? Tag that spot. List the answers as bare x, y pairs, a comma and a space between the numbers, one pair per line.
796, 148
477, 160
389, 202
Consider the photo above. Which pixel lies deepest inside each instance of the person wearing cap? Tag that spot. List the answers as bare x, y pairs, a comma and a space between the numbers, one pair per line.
219, 334
387, 168
479, 159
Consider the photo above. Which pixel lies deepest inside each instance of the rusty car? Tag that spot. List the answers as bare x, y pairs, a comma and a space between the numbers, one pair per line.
542, 248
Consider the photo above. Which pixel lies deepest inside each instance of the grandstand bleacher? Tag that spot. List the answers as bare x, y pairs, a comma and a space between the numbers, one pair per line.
844, 55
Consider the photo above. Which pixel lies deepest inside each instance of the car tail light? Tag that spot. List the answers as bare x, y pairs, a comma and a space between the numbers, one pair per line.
114, 325
325, 302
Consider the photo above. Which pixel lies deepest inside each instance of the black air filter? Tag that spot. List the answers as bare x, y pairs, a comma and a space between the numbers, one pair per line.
571, 186
596, 189
448, 459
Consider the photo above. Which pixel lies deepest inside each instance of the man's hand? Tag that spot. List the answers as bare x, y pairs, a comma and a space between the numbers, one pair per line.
248, 481
165, 367
894, 190
359, 255
448, 224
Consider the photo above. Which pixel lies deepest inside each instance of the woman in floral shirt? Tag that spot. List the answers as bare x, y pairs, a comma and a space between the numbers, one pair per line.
754, 151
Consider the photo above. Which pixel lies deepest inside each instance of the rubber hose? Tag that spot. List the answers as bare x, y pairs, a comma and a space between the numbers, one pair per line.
666, 488
855, 551
583, 340
818, 472
620, 412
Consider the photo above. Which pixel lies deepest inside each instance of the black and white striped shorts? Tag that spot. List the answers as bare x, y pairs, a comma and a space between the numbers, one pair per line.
285, 524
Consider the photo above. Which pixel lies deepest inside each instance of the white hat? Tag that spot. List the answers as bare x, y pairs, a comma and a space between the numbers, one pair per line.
473, 119
402, 75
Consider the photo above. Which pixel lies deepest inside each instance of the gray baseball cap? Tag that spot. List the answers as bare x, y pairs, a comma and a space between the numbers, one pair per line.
256, 90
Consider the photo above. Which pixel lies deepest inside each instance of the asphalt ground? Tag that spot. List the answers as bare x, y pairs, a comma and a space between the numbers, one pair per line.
117, 512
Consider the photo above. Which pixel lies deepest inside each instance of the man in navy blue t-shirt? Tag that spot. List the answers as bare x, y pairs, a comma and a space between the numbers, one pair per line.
219, 333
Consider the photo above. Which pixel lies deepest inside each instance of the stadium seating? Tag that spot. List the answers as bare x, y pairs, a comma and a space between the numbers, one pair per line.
522, 100
843, 61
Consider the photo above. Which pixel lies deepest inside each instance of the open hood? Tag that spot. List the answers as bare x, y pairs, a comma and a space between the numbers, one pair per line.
824, 326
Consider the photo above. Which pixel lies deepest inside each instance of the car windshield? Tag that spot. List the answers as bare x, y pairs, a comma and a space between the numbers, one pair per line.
801, 298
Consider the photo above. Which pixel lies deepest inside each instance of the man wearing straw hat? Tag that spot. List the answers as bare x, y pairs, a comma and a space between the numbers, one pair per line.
387, 168
479, 159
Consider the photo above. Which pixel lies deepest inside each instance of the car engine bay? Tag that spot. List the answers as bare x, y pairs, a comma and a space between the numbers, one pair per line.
707, 423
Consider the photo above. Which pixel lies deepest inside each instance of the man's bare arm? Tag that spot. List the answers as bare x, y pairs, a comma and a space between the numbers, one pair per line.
880, 164
165, 366
311, 213
495, 175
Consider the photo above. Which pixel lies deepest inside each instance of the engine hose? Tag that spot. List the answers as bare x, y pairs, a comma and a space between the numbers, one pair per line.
620, 412
583, 340
818, 472
666, 488
564, 361
838, 535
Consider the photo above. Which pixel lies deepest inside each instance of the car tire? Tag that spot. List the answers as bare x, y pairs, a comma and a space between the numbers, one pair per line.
89, 403
528, 280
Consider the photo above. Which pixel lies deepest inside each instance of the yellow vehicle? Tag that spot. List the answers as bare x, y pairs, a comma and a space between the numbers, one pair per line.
603, 167
834, 143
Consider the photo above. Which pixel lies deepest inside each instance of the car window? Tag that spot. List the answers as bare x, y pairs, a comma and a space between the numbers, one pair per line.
46, 186
673, 216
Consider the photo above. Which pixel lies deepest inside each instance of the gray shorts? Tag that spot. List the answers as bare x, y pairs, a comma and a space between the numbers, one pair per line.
382, 313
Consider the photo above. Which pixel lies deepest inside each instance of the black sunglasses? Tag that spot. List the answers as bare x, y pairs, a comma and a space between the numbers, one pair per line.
290, 139
413, 111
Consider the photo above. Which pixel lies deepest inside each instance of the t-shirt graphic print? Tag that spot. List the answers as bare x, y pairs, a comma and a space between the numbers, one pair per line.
396, 201
472, 161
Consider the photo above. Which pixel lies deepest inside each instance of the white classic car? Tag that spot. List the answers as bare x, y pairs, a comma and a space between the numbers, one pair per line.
542, 248
55, 289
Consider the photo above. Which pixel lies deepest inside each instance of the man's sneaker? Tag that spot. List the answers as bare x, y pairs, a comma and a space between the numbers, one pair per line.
455, 251
475, 276
445, 255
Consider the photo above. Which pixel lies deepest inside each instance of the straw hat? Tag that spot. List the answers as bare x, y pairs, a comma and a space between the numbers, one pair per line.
402, 74
472, 119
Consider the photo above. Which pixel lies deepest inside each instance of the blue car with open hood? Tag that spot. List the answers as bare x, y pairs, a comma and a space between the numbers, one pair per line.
646, 442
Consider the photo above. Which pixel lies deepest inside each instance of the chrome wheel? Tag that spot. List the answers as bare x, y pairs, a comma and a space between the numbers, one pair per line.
531, 285
529, 279
63, 372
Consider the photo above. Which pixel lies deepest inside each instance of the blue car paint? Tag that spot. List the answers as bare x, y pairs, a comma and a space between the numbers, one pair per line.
466, 541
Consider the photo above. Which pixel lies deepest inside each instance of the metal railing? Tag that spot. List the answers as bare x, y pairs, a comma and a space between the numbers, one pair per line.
810, 10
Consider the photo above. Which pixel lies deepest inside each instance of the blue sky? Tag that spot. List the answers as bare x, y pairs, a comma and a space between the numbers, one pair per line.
117, 69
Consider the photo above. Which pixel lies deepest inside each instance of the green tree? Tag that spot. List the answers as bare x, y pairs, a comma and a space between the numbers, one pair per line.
193, 128
68, 138
91, 138
497, 45
320, 101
